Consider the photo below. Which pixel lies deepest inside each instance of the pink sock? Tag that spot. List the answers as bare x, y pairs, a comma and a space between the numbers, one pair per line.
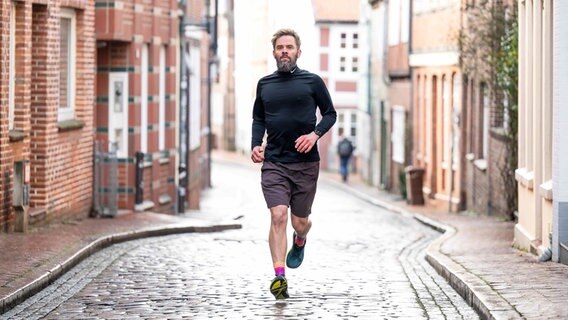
300, 241
279, 271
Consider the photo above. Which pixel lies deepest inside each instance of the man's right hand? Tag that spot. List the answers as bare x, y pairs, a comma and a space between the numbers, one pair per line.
257, 154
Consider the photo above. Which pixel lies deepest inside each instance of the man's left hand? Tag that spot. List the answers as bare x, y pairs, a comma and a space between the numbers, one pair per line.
306, 142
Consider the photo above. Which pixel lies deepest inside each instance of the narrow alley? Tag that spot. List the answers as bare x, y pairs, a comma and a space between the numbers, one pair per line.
361, 262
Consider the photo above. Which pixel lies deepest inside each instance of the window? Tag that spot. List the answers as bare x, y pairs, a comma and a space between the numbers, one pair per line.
418, 6
397, 136
342, 64
343, 40
12, 72
118, 113
485, 121
194, 97
446, 121
340, 123
405, 21
355, 64
353, 125
144, 99
393, 22
456, 106
355, 41
67, 42
162, 100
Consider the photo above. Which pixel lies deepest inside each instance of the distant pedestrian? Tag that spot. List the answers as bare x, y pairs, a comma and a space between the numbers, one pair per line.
285, 108
345, 151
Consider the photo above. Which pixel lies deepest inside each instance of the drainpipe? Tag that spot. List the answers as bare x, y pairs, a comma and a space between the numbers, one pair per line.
386, 82
370, 96
386, 79
211, 62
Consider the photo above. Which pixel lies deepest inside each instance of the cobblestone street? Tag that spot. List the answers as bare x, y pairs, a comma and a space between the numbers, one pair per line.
361, 262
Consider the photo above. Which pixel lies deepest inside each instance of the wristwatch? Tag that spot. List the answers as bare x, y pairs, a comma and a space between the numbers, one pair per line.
318, 133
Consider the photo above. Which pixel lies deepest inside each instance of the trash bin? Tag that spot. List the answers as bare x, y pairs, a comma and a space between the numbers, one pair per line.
414, 178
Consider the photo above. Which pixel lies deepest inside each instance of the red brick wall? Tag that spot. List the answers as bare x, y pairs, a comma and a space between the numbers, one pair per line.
129, 28
398, 60
5, 153
435, 30
60, 160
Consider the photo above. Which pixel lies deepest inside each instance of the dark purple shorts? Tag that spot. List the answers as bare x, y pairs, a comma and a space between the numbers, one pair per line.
290, 184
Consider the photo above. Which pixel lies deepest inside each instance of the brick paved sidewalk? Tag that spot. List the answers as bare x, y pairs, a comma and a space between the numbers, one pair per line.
31, 261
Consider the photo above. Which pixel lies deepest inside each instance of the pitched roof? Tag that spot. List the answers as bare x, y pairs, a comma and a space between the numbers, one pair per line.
336, 10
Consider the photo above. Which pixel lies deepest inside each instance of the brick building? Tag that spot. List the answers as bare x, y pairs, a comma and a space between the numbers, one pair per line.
197, 47
136, 109
399, 106
484, 122
374, 17
47, 51
437, 98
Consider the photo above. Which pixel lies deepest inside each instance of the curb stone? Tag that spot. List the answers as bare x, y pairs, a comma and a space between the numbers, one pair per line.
10, 301
478, 294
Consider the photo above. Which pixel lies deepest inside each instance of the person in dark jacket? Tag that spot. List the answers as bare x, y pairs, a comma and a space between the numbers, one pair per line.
285, 109
344, 151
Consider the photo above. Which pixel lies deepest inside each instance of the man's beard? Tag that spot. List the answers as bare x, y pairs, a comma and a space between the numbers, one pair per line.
286, 66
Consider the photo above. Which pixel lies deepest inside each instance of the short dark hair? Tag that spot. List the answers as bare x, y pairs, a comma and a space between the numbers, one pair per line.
285, 32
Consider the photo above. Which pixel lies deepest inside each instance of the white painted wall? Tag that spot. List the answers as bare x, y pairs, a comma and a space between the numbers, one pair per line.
560, 120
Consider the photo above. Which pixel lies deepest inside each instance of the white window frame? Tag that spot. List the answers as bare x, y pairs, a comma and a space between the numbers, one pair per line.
194, 97
68, 112
486, 124
456, 118
353, 125
12, 72
162, 100
118, 120
393, 22
405, 21
341, 123
144, 63
446, 121
397, 135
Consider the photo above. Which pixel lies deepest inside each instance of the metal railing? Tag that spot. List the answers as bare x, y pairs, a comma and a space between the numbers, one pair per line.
105, 188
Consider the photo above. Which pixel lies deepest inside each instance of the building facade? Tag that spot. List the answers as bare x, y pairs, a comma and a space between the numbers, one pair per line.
223, 100
340, 63
541, 174
560, 118
437, 98
487, 132
197, 46
46, 111
377, 96
398, 111
136, 110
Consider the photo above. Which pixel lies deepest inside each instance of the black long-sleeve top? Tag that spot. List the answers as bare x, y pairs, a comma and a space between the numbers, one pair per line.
285, 106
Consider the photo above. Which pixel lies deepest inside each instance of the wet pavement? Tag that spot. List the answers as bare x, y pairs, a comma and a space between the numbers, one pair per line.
369, 256
361, 262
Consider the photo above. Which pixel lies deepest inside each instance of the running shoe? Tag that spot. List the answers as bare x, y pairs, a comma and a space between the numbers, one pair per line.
295, 255
279, 287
